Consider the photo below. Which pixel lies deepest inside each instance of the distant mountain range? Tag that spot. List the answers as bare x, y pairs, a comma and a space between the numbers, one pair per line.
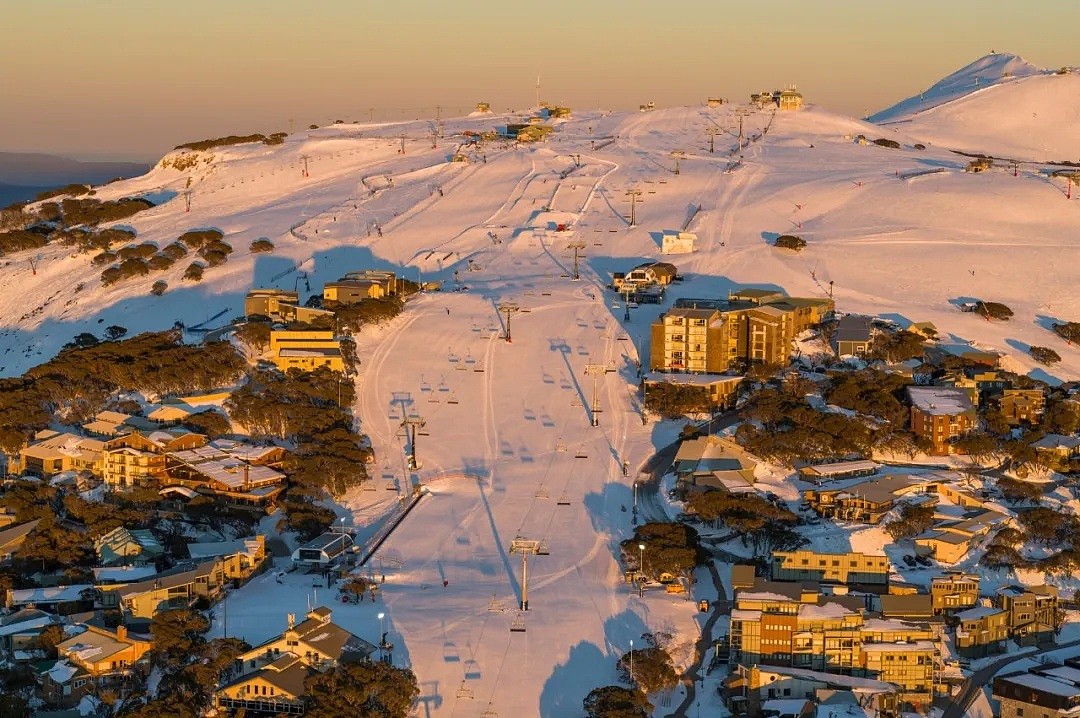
25, 174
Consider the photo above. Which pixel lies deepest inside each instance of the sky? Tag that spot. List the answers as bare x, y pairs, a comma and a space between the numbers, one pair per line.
130, 79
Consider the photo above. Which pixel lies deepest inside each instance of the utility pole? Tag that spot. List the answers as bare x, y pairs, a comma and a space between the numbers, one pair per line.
508, 308
538, 91
596, 371
712, 131
402, 150
577, 160
526, 547
626, 290
677, 154
633, 194
187, 200
305, 158
577, 245
434, 137
371, 114
411, 424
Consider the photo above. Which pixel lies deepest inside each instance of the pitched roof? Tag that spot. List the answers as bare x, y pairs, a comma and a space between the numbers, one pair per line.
940, 400
14, 533
853, 328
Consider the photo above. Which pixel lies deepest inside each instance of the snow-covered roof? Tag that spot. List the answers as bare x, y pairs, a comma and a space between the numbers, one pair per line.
1043, 683
1057, 441
55, 594
62, 671
940, 400
826, 610
123, 574
977, 612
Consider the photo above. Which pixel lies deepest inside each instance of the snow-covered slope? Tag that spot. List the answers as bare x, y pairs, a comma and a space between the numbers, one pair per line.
999, 105
509, 450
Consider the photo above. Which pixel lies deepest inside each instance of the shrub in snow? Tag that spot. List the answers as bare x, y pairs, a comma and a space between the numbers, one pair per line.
196, 238
159, 263
883, 142
790, 241
110, 276
617, 701
993, 310
1044, 355
1069, 331
100, 260
133, 268
194, 272
159, 288
221, 142
260, 245
138, 251
175, 251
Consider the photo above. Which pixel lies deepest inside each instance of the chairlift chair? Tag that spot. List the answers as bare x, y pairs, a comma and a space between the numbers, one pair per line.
518, 624
464, 691
541, 492
564, 500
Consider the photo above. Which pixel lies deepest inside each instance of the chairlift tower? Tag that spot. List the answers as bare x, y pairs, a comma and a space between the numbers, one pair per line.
596, 371
305, 159
712, 131
187, 200
508, 308
527, 547
577, 245
741, 113
677, 155
633, 194
411, 425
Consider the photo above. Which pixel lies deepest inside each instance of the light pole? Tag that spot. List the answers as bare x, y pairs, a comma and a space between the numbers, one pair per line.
641, 559
382, 629
634, 515
631, 661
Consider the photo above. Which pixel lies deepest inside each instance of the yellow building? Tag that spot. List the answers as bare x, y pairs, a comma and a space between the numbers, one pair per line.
272, 674
305, 350
954, 591
853, 567
53, 453
351, 291
136, 458
264, 302
753, 326
982, 631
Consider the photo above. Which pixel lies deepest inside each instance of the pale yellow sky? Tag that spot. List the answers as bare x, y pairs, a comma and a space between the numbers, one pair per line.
132, 78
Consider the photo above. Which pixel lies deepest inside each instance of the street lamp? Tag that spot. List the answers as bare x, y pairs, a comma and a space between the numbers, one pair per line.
641, 558
382, 633
631, 661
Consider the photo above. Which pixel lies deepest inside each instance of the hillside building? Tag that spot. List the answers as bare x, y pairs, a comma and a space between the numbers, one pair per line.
853, 337
95, 659
1033, 612
868, 501
939, 414
843, 568
954, 591
14, 536
711, 462
53, 453
752, 326
305, 350
134, 547
1048, 690
136, 459
270, 677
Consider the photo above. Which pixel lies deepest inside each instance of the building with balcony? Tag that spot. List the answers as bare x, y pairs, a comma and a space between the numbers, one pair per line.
270, 677
95, 659
939, 414
134, 547
139, 459
1033, 612
981, 631
954, 591
52, 453
751, 326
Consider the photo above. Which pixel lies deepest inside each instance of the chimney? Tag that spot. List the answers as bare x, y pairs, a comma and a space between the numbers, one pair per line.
121, 633
292, 620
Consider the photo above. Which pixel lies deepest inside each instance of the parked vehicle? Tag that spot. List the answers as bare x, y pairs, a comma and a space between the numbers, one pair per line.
910, 561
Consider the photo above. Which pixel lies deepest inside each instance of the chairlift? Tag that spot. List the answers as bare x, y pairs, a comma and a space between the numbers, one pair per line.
433, 398
479, 368
495, 605
581, 453
489, 713
452, 399
564, 500
542, 548
541, 492
391, 485
517, 625
464, 691
560, 445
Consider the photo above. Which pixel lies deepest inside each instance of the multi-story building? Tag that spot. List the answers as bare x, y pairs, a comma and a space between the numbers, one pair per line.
870, 500
173, 589
954, 591
1048, 690
1022, 406
270, 677
846, 568
794, 625
121, 546
710, 336
240, 475
982, 631
135, 458
53, 453
265, 302
1032, 612
939, 414
95, 659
